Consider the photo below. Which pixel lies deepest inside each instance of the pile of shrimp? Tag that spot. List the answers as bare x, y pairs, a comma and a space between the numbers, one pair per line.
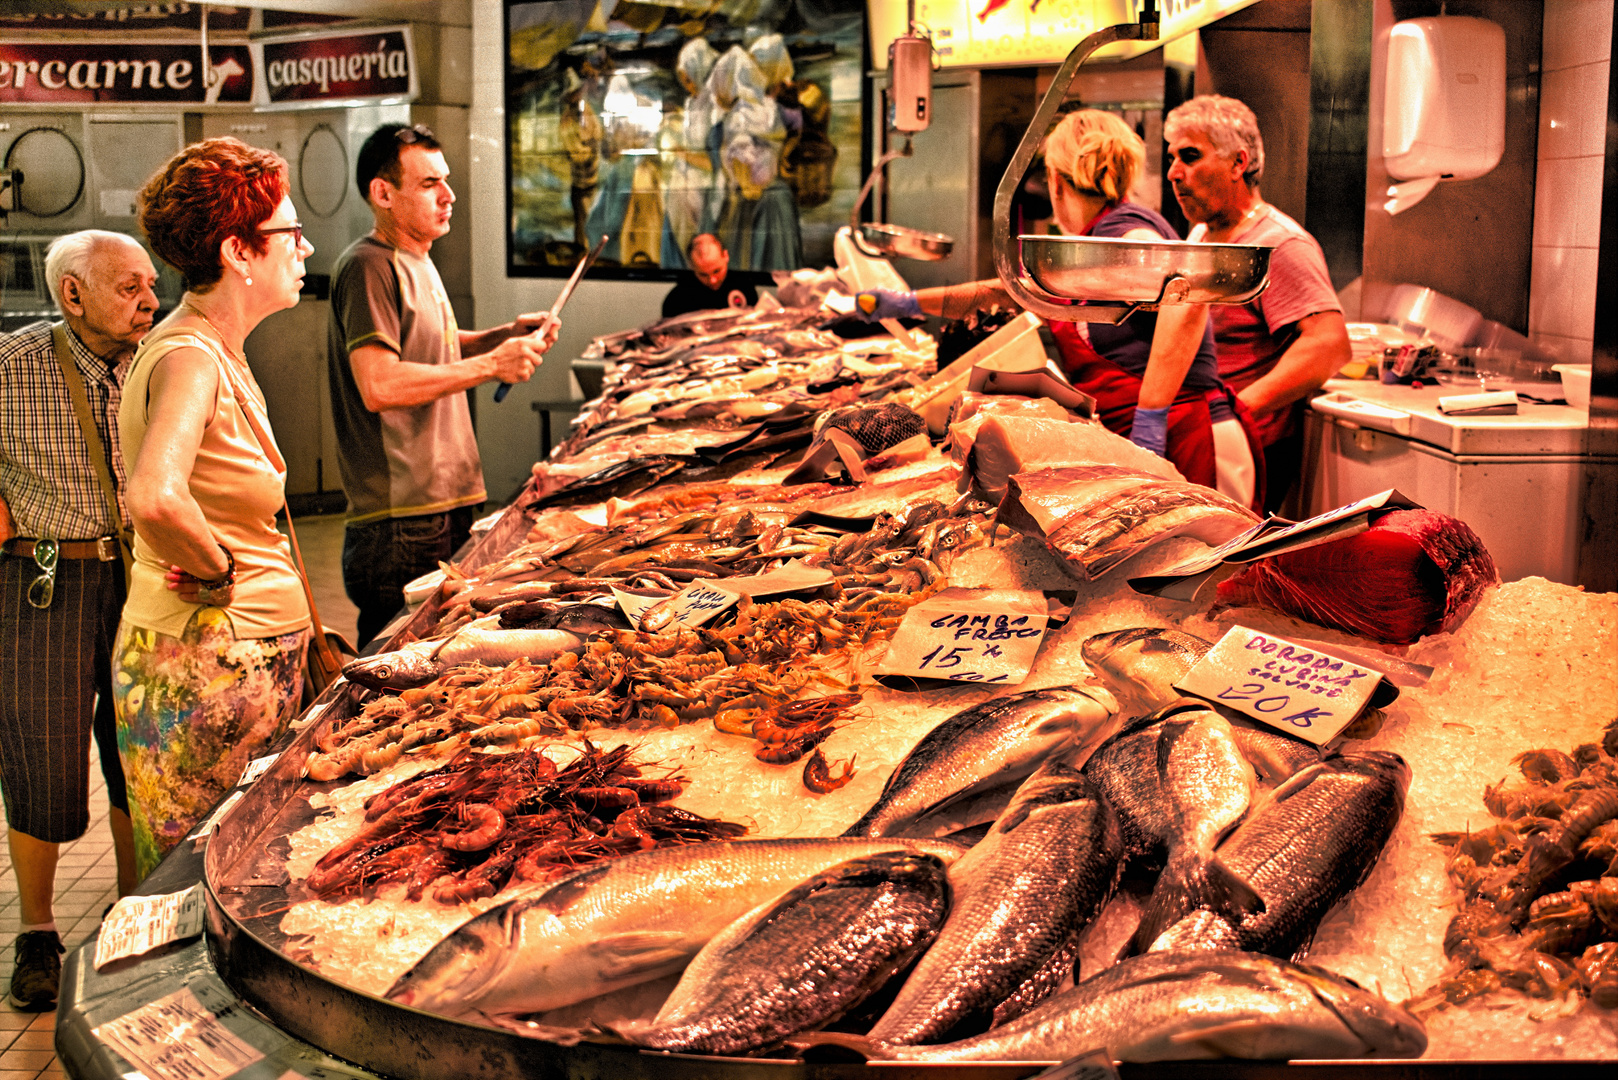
469, 827
1539, 888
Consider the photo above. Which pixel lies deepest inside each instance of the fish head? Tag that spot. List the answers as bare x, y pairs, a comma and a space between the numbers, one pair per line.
402, 669
1384, 1028
1142, 663
457, 971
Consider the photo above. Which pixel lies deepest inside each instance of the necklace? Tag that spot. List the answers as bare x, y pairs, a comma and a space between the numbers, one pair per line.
204, 317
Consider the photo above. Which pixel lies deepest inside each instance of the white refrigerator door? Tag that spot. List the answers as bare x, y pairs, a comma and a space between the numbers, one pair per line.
1527, 509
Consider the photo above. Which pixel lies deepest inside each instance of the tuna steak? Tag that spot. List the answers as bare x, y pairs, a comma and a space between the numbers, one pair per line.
1412, 573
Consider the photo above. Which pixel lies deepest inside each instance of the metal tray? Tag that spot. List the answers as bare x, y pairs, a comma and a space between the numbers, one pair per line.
1144, 271
897, 241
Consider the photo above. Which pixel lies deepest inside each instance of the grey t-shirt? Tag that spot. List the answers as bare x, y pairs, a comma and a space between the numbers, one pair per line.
398, 462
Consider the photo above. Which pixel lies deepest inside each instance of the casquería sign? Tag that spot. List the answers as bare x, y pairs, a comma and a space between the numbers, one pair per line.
372, 64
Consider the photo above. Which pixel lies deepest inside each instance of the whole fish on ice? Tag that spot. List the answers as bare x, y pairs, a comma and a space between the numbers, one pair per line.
481, 640
804, 960
1178, 781
1305, 847
1021, 894
1174, 1006
989, 745
622, 922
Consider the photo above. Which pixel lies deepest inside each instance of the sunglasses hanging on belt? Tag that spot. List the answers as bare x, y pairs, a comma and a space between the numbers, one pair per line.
41, 592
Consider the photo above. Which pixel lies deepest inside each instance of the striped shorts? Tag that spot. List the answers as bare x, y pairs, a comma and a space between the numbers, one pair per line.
55, 691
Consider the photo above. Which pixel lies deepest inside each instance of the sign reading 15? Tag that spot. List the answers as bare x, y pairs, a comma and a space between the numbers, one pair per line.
952, 657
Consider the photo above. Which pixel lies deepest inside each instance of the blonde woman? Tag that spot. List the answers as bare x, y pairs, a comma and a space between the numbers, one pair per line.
1155, 376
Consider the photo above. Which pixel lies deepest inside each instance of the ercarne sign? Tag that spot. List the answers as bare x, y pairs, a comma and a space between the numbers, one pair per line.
131, 71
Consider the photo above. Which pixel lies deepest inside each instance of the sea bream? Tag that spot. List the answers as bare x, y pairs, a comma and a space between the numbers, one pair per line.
1178, 781
620, 923
482, 640
990, 745
1176, 1006
1034, 882
805, 959
1141, 664
1305, 847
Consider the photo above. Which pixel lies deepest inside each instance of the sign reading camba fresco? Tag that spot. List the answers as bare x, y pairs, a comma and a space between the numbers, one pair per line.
132, 71
346, 67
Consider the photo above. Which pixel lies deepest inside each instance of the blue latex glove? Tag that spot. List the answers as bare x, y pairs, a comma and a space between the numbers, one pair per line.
874, 305
1151, 430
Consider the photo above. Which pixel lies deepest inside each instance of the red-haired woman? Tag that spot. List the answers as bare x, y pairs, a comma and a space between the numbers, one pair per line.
209, 659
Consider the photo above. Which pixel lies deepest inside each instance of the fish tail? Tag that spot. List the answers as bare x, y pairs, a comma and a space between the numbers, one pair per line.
835, 1045
1206, 884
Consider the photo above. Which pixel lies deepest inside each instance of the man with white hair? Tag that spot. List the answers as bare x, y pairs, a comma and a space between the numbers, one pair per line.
1278, 349
61, 575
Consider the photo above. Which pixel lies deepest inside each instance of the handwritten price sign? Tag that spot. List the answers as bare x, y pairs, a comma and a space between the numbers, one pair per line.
969, 635
1304, 692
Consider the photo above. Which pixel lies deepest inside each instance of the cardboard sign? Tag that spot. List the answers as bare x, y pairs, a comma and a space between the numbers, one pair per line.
1300, 690
1090, 1065
219, 813
256, 768
969, 635
1272, 537
703, 599
180, 1037
139, 924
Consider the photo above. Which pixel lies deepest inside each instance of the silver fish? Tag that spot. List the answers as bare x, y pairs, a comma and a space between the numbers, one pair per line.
1305, 847
986, 746
1034, 882
1175, 1006
1096, 516
420, 662
1178, 780
804, 960
1141, 664
622, 922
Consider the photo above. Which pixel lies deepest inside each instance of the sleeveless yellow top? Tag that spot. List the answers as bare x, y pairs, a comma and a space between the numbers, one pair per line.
238, 483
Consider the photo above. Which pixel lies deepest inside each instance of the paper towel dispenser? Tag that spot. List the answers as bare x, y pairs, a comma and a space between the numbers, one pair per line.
1444, 113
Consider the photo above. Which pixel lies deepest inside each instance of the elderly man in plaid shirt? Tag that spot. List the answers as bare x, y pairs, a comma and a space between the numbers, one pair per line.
61, 579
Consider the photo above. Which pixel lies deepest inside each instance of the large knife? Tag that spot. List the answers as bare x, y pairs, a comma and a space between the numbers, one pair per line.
561, 298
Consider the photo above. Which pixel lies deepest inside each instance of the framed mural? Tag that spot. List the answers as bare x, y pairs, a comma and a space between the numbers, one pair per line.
651, 121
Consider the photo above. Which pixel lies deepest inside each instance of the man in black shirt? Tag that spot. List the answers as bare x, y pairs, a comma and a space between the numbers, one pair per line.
709, 283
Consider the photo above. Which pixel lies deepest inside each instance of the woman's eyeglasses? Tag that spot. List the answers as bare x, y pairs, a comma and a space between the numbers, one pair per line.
296, 229
44, 586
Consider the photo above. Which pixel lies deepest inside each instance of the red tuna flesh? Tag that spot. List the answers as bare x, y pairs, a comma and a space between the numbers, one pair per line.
1413, 572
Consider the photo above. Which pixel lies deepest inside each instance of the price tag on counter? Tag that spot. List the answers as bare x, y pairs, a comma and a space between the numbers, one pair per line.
179, 1037
1303, 691
1090, 1065
691, 606
256, 768
969, 635
215, 817
138, 924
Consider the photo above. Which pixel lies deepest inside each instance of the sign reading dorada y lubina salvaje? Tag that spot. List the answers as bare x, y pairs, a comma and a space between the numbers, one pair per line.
327, 68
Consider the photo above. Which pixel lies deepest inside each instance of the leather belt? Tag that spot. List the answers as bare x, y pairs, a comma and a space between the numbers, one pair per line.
103, 548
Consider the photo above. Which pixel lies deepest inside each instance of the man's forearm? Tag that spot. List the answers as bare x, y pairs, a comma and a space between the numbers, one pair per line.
386, 382
478, 342
1320, 350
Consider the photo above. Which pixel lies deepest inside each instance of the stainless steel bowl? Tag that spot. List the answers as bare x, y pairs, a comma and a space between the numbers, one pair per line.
896, 241
1136, 271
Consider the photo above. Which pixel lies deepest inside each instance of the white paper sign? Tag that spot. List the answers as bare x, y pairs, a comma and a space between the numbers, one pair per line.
139, 924
691, 606
256, 768
969, 635
214, 818
1302, 691
793, 577
179, 1038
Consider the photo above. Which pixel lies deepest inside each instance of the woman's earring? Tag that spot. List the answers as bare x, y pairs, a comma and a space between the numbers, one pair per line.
248, 279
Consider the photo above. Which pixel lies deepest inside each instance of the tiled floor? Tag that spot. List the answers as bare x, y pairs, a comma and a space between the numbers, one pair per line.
86, 875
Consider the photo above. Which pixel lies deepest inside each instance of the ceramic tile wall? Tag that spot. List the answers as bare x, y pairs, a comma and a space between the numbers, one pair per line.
1576, 56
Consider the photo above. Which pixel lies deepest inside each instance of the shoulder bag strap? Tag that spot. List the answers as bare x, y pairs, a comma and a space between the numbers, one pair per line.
317, 640
92, 439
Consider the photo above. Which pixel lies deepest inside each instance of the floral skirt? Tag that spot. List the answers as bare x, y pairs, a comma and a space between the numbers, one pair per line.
192, 712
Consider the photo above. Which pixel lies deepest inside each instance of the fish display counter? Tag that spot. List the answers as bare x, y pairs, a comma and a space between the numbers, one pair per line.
762, 737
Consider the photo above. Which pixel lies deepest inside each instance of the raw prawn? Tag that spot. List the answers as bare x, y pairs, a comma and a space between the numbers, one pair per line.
817, 775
